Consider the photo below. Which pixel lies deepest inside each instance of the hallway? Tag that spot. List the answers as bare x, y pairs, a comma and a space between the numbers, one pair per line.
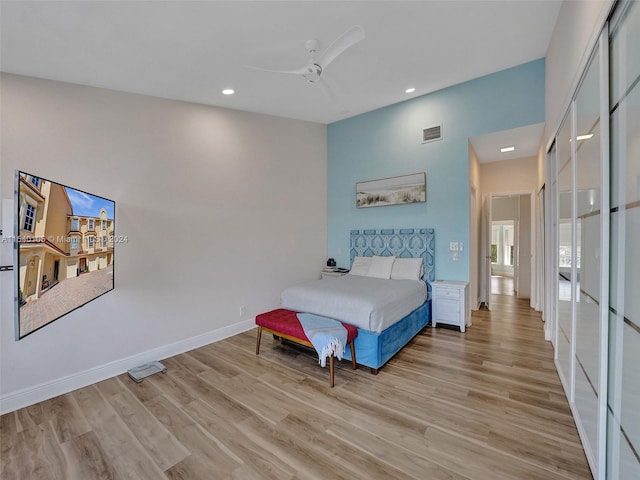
502, 285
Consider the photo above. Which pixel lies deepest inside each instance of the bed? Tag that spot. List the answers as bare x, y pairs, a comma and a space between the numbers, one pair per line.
392, 320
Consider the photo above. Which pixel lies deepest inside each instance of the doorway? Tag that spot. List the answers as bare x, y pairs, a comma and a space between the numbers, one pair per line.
509, 249
503, 253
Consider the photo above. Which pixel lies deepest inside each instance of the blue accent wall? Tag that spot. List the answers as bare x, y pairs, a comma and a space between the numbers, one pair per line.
388, 142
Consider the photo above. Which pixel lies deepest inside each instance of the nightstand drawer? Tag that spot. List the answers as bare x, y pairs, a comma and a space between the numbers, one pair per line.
447, 292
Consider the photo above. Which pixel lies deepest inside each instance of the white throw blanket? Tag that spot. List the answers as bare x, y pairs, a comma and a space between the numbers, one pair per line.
327, 336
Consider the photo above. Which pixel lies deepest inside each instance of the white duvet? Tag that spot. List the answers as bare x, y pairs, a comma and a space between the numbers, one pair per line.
369, 303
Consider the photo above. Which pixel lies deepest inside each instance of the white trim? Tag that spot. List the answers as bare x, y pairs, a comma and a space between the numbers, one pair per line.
584, 440
605, 231
574, 249
548, 312
29, 396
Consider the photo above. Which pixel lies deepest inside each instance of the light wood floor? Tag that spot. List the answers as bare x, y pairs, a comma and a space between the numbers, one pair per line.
502, 285
486, 404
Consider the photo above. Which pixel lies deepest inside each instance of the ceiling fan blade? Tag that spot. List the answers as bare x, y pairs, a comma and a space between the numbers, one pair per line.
298, 71
324, 87
346, 40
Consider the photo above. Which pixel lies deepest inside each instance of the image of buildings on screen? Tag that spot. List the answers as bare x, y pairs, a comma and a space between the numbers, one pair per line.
65, 244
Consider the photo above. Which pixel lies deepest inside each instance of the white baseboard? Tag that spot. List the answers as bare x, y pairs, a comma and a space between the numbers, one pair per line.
38, 393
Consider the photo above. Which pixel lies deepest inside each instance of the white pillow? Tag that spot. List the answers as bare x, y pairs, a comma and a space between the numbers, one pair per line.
407, 269
360, 266
380, 267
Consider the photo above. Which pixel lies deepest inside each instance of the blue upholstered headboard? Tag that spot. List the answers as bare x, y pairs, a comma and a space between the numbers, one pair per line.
399, 242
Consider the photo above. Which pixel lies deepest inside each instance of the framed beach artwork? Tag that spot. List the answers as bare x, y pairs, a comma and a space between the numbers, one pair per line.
392, 191
64, 256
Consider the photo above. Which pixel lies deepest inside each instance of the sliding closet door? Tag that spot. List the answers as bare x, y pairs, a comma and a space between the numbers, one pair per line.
589, 319
623, 439
582, 146
565, 256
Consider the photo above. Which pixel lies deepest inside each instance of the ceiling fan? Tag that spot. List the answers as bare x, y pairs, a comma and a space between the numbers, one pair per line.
318, 62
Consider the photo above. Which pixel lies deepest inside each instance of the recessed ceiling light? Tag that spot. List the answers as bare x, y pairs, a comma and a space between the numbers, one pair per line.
586, 136
410, 90
510, 148
228, 91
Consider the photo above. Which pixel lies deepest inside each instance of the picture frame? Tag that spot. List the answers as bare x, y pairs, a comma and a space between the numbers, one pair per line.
398, 190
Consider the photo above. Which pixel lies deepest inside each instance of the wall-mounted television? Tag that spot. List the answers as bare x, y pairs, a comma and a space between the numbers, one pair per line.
64, 253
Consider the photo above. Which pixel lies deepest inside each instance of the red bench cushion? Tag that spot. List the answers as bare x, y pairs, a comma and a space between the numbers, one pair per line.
287, 323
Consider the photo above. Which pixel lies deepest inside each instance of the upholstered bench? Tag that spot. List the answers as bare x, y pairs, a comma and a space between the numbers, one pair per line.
285, 324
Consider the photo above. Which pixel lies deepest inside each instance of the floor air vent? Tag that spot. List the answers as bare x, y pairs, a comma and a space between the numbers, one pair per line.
432, 134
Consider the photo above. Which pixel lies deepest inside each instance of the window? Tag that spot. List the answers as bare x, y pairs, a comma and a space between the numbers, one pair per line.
104, 240
91, 225
75, 225
35, 181
103, 225
502, 236
90, 242
29, 217
74, 243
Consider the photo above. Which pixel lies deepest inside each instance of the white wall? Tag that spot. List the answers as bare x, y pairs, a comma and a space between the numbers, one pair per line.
221, 208
524, 247
475, 226
505, 208
509, 176
575, 33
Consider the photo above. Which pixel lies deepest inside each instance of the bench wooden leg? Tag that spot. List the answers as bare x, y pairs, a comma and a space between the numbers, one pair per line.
331, 371
258, 341
353, 355
374, 371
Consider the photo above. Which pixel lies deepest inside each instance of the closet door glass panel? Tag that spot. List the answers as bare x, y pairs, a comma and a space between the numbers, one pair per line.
588, 225
623, 440
565, 255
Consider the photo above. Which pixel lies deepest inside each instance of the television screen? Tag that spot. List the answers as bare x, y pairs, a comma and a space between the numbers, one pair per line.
64, 252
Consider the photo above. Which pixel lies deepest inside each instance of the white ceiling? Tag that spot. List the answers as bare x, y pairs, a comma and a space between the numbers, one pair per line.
192, 50
526, 141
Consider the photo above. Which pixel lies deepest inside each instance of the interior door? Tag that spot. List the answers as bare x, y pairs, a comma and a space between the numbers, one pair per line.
486, 252
516, 254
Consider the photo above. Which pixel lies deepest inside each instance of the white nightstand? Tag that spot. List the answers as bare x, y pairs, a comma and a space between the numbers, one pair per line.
332, 273
450, 303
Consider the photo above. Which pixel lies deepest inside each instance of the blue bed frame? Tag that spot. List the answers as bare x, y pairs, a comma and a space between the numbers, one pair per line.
375, 349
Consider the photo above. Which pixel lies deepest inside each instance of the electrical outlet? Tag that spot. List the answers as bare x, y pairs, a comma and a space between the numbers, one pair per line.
243, 310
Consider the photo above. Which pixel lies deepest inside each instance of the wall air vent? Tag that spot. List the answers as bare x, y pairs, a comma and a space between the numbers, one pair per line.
432, 134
